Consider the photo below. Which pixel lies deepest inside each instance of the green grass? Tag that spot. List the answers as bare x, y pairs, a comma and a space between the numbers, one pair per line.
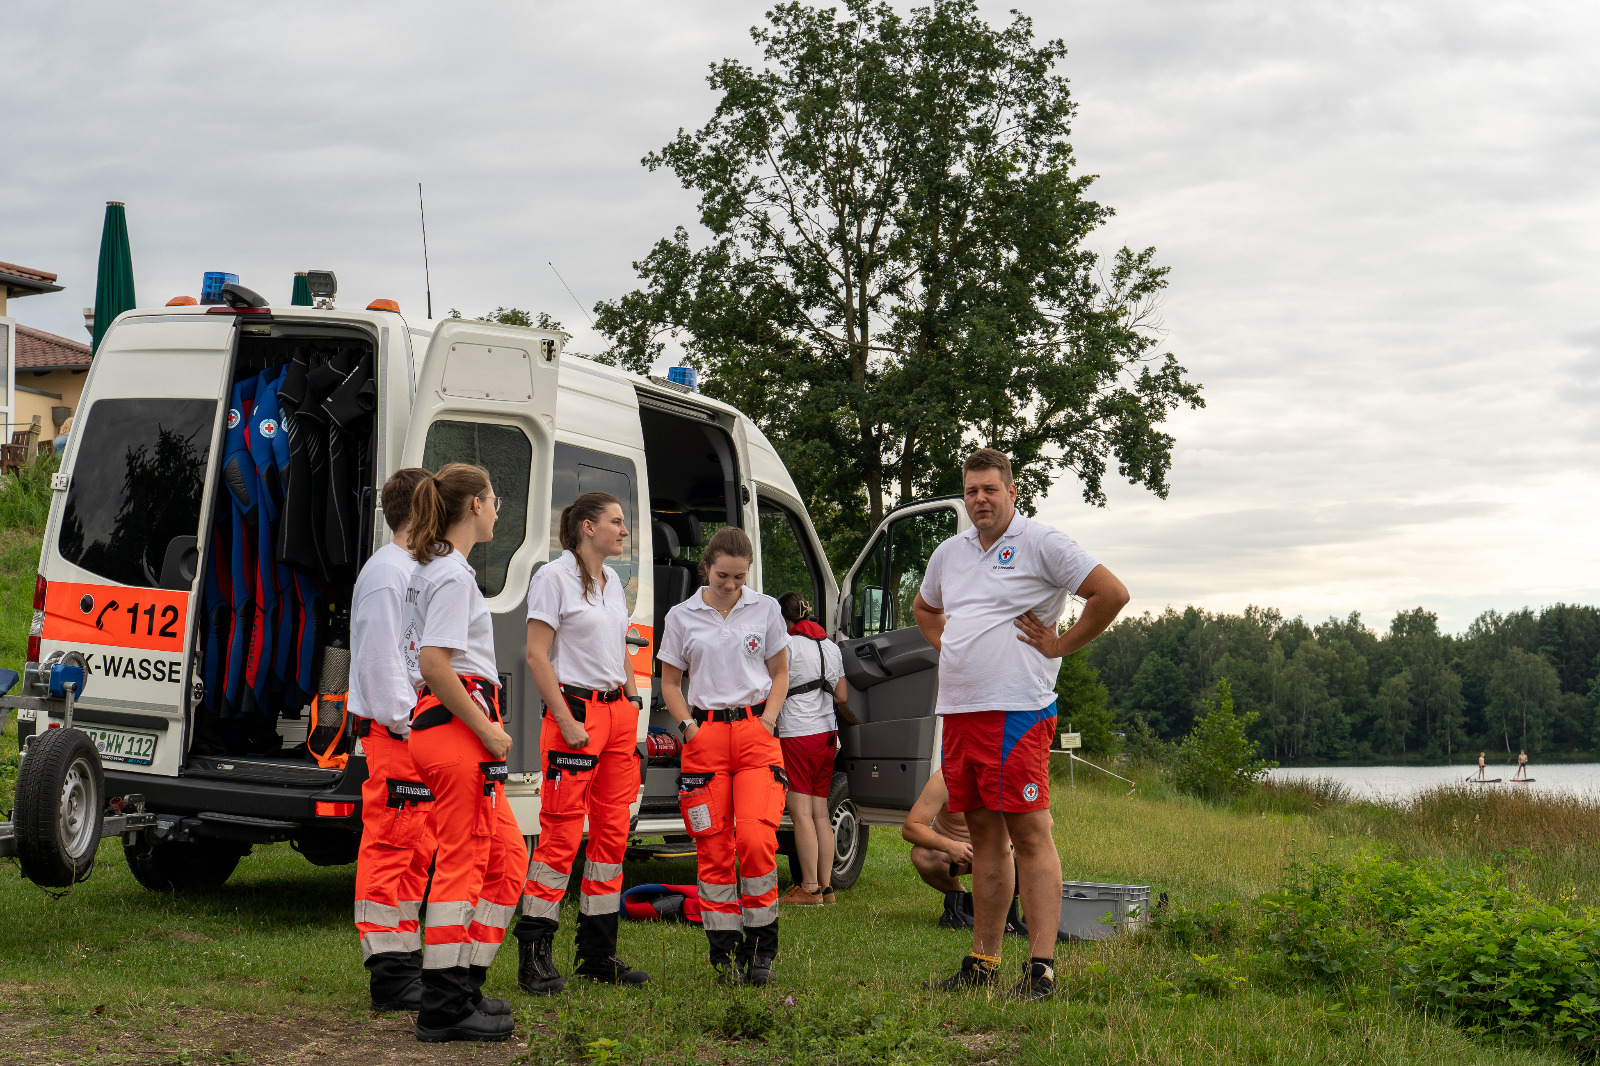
278, 938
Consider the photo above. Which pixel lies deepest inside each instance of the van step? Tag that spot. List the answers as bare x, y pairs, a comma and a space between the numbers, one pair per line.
264, 771
246, 820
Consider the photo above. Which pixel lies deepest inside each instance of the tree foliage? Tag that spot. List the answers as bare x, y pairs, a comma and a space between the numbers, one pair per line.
896, 266
1081, 705
1219, 759
1341, 689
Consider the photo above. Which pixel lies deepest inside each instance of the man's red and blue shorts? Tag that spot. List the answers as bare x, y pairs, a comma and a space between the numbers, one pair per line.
999, 760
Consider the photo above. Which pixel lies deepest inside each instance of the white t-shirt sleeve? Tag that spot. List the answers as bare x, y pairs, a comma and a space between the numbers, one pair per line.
930, 591
544, 597
448, 614
832, 663
1065, 563
672, 649
777, 631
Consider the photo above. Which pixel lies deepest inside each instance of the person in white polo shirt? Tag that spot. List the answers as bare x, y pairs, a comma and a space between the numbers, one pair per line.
732, 643
989, 603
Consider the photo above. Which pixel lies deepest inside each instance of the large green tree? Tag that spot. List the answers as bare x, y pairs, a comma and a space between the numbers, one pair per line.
897, 266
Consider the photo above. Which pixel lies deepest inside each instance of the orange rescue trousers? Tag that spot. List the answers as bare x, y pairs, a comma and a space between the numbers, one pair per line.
599, 781
480, 864
731, 793
397, 846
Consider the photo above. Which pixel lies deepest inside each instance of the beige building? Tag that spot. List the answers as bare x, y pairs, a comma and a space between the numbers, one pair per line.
41, 374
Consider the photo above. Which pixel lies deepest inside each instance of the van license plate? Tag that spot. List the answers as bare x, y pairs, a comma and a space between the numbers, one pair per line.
138, 749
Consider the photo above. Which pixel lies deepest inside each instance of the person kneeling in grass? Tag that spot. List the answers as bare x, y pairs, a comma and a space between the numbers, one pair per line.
941, 851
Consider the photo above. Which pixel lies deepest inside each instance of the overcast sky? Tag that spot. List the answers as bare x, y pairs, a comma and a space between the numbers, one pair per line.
1382, 222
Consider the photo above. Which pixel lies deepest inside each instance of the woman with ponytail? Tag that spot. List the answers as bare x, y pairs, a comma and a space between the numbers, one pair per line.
459, 749
732, 642
809, 733
578, 655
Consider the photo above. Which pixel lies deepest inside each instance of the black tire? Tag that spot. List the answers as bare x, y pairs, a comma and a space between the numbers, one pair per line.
328, 847
60, 808
849, 838
168, 866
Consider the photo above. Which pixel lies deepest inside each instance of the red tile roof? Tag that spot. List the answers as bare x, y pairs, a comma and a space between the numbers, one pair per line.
38, 350
26, 272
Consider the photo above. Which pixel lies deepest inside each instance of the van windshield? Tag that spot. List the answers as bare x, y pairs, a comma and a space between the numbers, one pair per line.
136, 489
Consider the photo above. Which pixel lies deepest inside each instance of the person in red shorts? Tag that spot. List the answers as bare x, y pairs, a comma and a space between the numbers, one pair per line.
809, 733
989, 603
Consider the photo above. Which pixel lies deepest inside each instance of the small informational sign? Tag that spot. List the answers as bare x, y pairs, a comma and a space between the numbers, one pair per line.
1071, 741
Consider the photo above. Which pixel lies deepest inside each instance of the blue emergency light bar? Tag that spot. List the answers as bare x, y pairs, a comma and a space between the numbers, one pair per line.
211, 287
687, 376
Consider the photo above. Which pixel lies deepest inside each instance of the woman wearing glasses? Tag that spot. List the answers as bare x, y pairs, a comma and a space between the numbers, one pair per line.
459, 749
577, 654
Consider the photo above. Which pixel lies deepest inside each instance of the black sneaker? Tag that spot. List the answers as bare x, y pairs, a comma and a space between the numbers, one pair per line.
610, 970
956, 914
475, 1026
536, 970
973, 974
1038, 982
760, 971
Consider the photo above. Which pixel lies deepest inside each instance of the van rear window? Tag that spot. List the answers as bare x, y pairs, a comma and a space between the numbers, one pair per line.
137, 484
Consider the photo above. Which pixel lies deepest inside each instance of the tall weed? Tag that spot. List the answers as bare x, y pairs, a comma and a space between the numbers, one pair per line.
25, 495
1293, 797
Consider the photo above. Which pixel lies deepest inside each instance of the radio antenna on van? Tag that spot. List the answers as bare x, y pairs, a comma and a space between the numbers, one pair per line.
570, 293
427, 280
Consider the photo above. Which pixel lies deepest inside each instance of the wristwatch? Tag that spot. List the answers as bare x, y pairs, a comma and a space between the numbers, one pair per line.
683, 726
637, 701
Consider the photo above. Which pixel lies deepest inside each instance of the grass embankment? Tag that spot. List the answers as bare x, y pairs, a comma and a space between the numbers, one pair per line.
113, 970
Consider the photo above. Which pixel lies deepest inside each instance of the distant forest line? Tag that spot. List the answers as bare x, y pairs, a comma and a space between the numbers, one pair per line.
1342, 690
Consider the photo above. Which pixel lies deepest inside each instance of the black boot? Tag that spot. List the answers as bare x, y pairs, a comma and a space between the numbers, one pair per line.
757, 952
536, 970
597, 952
396, 981
447, 1012
957, 911
1015, 926
494, 1008
725, 947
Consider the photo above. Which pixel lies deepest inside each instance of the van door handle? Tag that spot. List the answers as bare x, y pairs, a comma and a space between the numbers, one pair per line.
870, 650
638, 641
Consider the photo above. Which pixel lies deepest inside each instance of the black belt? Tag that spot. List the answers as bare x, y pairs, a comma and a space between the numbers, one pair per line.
363, 728
730, 714
599, 696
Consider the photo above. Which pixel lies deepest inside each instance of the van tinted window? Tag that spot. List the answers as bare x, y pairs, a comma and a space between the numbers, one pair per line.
137, 484
507, 454
580, 470
786, 563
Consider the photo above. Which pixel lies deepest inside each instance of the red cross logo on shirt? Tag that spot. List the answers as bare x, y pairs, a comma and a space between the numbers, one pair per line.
752, 644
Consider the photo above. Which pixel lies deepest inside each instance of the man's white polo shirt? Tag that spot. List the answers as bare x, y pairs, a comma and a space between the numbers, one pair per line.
982, 664
726, 658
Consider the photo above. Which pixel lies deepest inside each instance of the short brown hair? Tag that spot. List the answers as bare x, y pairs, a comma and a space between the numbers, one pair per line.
729, 540
988, 459
396, 496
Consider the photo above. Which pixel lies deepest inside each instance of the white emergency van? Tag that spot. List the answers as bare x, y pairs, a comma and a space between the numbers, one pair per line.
139, 517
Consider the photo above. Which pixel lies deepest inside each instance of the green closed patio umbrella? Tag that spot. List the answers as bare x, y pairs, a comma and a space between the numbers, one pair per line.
302, 291
113, 291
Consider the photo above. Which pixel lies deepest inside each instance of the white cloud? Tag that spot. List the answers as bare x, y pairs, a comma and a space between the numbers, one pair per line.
1382, 223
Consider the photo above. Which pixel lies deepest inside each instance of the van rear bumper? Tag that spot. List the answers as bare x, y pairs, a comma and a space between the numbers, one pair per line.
189, 796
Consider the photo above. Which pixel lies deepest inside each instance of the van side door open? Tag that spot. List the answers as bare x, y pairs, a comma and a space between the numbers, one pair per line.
125, 555
486, 394
893, 672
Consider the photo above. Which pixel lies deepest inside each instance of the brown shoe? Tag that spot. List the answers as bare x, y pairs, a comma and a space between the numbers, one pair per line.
798, 896
828, 896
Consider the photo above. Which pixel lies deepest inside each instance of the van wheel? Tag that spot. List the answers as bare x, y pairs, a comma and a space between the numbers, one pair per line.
849, 835
170, 865
60, 808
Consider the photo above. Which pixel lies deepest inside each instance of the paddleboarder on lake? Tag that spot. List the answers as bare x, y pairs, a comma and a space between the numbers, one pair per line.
1522, 766
1480, 766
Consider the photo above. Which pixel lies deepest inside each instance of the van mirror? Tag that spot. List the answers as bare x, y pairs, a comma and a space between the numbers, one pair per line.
871, 611
180, 563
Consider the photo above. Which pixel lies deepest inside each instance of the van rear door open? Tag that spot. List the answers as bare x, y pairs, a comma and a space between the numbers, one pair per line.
486, 394
122, 552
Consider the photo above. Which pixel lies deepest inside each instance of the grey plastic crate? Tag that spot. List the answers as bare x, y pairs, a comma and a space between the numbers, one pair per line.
1086, 905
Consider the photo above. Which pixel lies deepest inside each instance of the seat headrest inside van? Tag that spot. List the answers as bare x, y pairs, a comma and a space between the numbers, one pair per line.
687, 527
664, 542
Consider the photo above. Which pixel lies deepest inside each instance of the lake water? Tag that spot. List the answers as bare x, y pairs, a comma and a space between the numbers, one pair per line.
1401, 782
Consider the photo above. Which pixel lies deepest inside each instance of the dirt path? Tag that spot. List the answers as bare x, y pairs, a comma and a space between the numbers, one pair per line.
191, 1037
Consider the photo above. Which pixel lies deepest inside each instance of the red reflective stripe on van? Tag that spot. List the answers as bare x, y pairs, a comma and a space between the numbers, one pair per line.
116, 615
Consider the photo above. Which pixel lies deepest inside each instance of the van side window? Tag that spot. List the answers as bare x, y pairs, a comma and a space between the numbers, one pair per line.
786, 561
886, 585
135, 496
580, 470
507, 454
